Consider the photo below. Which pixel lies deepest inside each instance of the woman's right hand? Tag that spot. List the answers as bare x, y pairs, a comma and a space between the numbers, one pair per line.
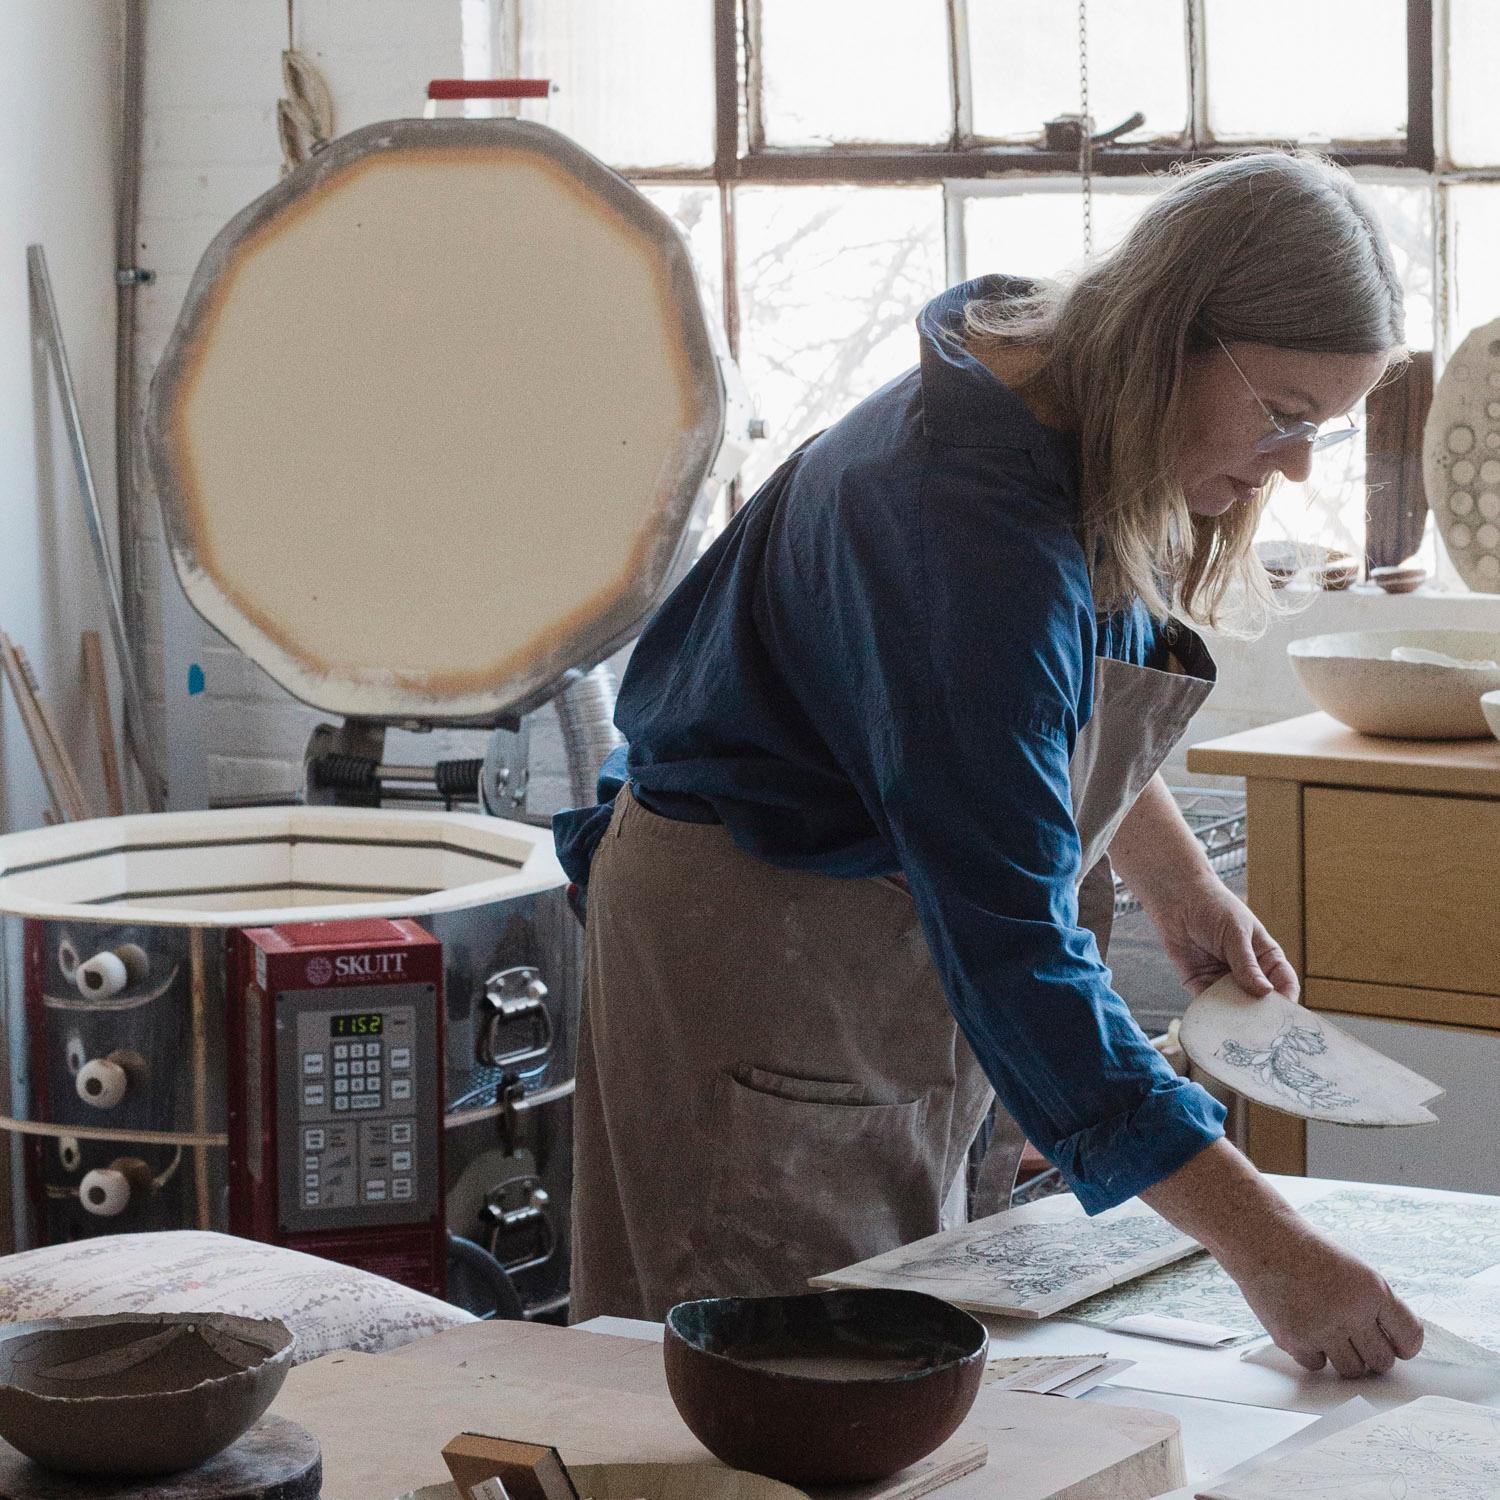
1322, 1305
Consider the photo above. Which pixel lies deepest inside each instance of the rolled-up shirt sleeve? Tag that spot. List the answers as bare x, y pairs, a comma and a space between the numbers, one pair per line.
975, 671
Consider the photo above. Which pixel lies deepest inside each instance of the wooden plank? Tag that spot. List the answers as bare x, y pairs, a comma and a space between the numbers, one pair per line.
1273, 832
1273, 837
1398, 1003
79, 807
96, 685
41, 746
383, 1420
1275, 1142
1316, 748
1402, 890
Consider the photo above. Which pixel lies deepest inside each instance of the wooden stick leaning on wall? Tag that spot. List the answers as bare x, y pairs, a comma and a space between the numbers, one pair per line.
82, 808
96, 685
58, 788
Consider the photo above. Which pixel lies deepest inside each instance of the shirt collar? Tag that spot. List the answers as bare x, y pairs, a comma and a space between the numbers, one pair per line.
963, 404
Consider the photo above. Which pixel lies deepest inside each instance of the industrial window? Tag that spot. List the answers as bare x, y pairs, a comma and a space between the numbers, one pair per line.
834, 163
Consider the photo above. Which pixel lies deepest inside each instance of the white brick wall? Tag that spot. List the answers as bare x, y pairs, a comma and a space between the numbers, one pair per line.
213, 75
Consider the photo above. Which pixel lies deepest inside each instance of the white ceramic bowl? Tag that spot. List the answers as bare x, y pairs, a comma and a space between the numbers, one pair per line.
1351, 676
1489, 705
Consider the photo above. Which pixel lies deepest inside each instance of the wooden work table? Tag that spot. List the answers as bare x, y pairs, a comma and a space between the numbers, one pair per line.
1376, 865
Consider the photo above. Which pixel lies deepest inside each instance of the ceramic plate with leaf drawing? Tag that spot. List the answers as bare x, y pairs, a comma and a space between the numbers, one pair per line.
1296, 1060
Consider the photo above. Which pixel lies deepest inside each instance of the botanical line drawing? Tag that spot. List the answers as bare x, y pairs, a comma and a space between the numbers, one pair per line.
1029, 1262
1430, 1449
1280, 1066
1425, 1248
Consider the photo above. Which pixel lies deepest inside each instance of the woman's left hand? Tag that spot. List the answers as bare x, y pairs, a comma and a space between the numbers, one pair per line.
1209, 932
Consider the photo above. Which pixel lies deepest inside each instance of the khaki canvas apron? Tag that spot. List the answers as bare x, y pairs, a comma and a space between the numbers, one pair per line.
770, 1082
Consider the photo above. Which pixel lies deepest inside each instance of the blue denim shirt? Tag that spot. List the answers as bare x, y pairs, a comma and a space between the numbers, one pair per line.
883, 665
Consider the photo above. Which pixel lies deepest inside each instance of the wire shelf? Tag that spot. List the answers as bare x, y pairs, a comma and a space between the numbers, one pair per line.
1217, 821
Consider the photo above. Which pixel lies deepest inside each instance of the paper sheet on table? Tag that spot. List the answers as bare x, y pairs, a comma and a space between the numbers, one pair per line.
1355, 1410
1440, 1346
1177, 1330
1432, 1448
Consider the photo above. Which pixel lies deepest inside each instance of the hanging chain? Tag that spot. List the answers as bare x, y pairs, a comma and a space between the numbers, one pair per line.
1192, 65
291, 39
1085, 132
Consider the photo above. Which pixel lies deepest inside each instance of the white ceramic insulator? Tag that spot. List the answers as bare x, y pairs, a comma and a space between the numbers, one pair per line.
70, 1153
102, 1083
136, 960
105, 1191
103, 975
67, 959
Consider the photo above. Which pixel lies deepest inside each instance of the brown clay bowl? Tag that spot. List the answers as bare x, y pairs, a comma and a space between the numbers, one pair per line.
137, 1394
827, 1388
1337, 571
1400, 578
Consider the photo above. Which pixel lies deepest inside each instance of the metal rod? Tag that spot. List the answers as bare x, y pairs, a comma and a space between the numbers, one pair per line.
199, 983
45, 309
13, 1126
127, 281
538, 1100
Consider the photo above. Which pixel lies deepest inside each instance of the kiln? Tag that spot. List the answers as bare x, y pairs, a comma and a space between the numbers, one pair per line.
431, 437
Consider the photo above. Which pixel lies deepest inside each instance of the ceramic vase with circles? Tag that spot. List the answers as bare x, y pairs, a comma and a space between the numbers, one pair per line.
1461, 458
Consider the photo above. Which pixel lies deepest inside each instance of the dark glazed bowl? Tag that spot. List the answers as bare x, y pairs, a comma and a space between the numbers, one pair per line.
778, 1385
137, 1394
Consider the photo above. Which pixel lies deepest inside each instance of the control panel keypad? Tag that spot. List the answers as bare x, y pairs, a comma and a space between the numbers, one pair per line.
349, 1154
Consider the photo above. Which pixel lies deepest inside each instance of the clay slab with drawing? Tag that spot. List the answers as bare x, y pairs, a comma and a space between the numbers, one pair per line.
1295, 1060
1430, 1449
1026, 1262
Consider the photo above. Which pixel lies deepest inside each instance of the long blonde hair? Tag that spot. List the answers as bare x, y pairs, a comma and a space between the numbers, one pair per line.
1266, 248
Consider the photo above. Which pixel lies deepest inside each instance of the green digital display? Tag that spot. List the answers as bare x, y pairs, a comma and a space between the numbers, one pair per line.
366, 1024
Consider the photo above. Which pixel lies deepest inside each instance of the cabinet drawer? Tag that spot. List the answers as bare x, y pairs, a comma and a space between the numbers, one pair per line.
1402, 889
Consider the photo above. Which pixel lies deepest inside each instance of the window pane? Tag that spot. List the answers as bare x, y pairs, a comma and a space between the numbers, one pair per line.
635, 82
1473, 66
1309, 70
1023, 59
1327, 510
1473, 266
696, 213
1406, 213
852, 71
1040, 233
830, 281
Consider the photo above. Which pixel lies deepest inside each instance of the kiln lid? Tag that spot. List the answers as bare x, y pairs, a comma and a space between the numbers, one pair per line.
434, 420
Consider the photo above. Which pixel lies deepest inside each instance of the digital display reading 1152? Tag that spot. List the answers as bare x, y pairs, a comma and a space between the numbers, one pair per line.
361, 1025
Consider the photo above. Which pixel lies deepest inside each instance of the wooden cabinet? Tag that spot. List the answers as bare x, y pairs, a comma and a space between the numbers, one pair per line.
1376, 865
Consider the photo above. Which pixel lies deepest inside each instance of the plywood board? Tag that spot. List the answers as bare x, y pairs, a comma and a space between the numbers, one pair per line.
1026, 1262
383, 1420
1291, 1059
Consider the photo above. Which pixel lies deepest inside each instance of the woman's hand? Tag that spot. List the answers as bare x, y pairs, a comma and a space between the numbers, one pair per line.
1209, 932
1321, 1304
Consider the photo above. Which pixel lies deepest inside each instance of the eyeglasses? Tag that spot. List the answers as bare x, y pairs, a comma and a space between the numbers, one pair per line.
1289, 432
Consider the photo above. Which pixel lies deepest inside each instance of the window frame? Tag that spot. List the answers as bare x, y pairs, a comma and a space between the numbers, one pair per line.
742, 157
968, 165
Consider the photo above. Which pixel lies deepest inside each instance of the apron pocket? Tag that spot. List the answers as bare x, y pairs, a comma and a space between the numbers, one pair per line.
805, 1182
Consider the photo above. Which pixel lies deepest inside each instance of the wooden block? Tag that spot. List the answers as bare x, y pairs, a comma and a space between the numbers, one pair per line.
529, 1471
383, 1420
